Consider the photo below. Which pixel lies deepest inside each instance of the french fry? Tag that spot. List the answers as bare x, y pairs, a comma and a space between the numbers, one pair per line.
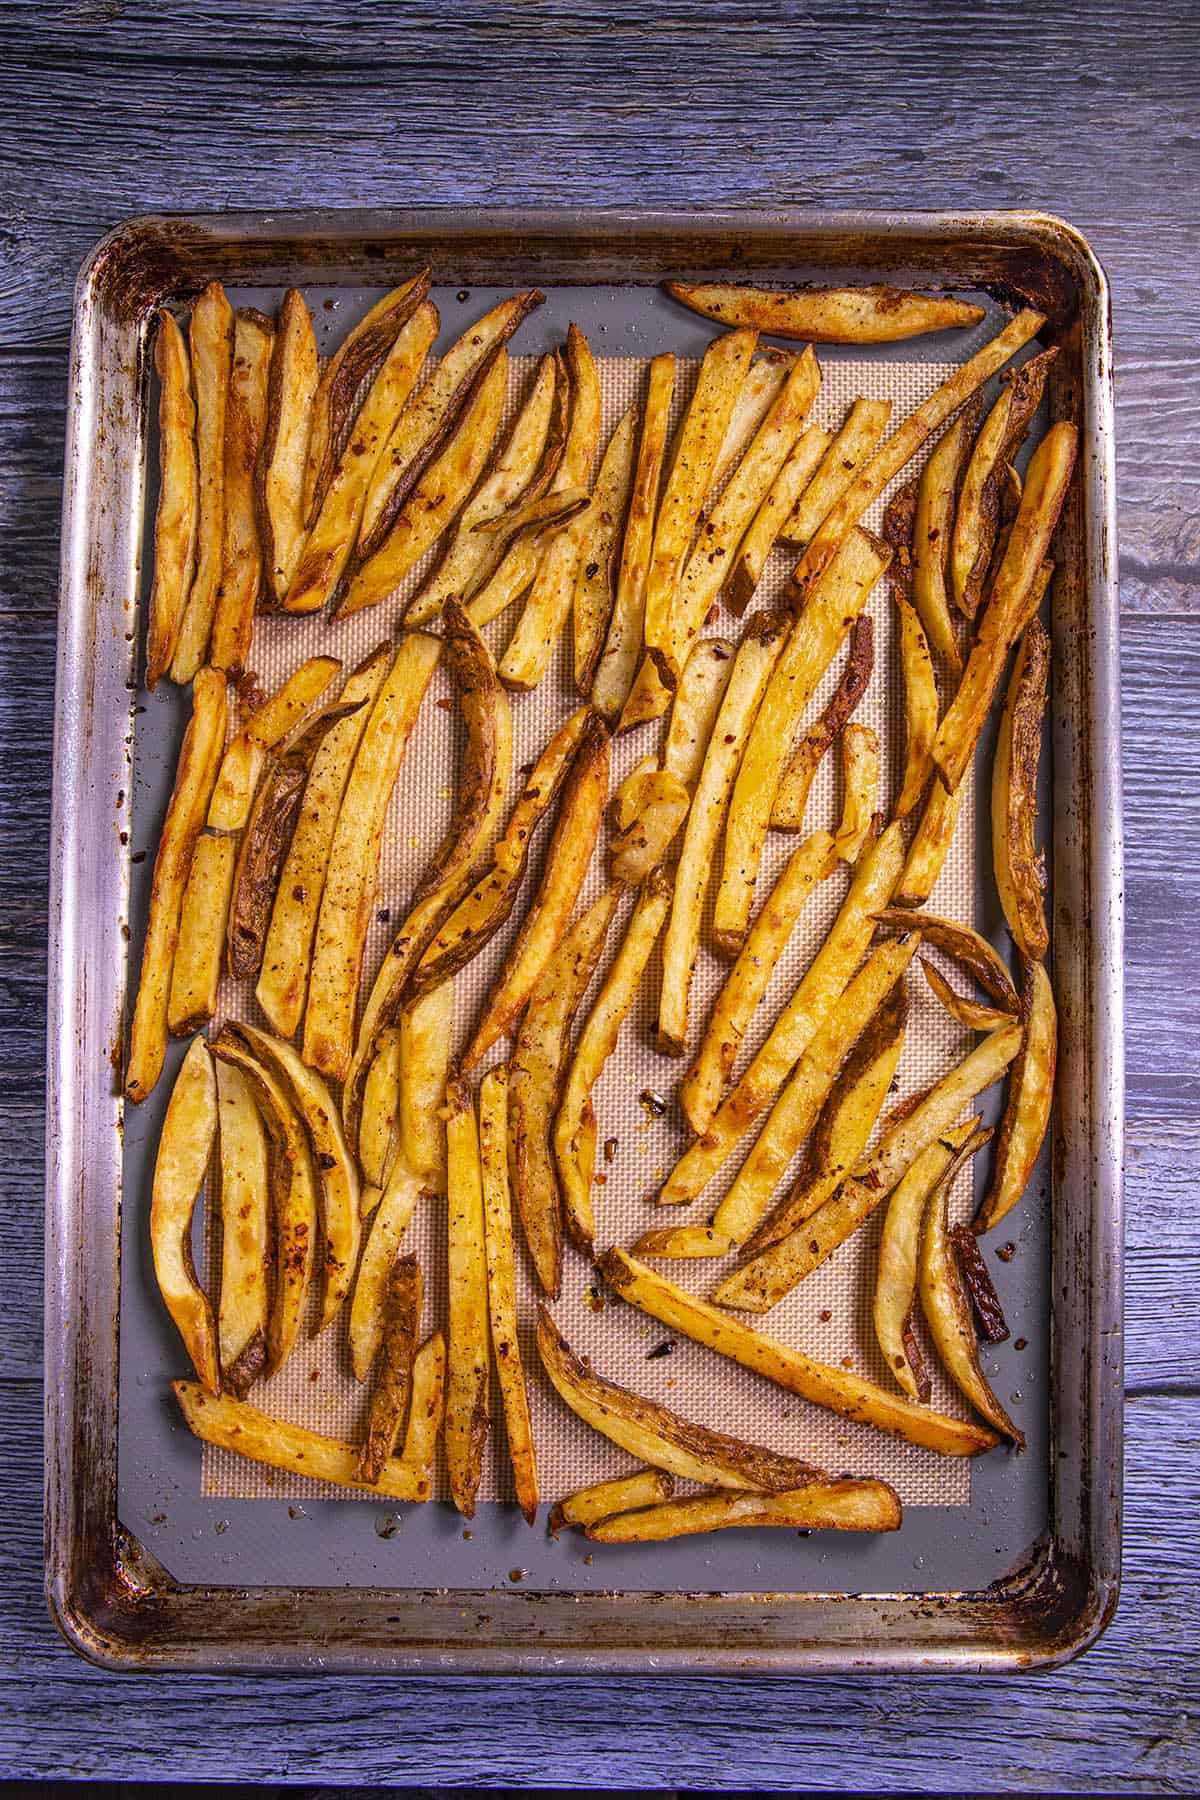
854, 315
933, 527
731, 734
501, 1286
600, 534
380, 1108
575, 1124
196, 971
401, 1327
899, 1248
591, 1504
819, 1383
467, 1419
772, 515
679, 1241
700, 1089
210, 340
904, 443
635, 852
283, 980
985, 1301
291, 390
865, 424
274, 720
1030, 1099
920, 707
1015, 861
965, 1012
426, 1027
930, 846
349, 891
334, 533
1006, 612
195, 773
655, 1434
246, 1251
964, 945
977, 520
757, 395
535, 1076
695, 706
184, 1150
815, 640
396, 1206
623, 644
811, 1005
428, 1403
567, 857
821, 1506
860, 787
175, 524
796, 1111
260, 857
241, 555
236, 1425
795, 784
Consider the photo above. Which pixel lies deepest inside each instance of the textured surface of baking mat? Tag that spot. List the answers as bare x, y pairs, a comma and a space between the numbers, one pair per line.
829, 1314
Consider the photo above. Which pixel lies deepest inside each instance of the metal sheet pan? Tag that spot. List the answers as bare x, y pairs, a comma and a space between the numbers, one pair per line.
126, 1596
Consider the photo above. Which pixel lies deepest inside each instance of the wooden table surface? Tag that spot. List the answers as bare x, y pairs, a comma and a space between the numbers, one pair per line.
1090, 110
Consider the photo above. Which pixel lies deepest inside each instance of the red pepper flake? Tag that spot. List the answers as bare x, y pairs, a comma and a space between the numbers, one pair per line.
444, 705
1006, 1252
517, 1574
610, 1148
1020, 1343
824, 1315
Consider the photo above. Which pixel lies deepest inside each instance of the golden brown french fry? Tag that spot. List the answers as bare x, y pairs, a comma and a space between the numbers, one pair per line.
821, 1506
1015, 861
820, 1383
349, 890
259, 859
904, 443
196, 972
795, 784
700, 1089
236, 1425
600, 535
860, 788
467, 1419
772, 516
535, 1075
210, 340
968, 1013
623, 646
402, 1301
655, 1434
428, 1403
930, 846
853, 315
663, 806
567, 857
695, 706
283, 980
811, 1005
731, 734
977, 520
1030, 1099
815, 640
274, 720
380, 1108
933, 526
920, 707
426, 1028
1006, 612
606, 1498
963, 944
241, 555
757, 395
291, 390
335, 529
396, 1206
175, 523
575, 1124
246, 1251
195, 773
501, 1286
678, 1241
184, 1150
899, 1248
864, 426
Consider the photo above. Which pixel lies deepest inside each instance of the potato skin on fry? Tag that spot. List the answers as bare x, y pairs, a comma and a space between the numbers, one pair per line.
279, 481
1030, 1099
176, 522
185, 1147
1015, 861
821, 1506
854, 315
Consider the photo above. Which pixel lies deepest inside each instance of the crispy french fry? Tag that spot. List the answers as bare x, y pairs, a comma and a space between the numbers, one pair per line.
175, 524
1030, 1099
811, 1005
678, 1241
695, 707
567, 857
795, 784
731, 733
854, 315
865, 424
920, 707
426, 1028
380, 1108
335, 529
210, 340
860, 787
260, 856
930, 846
241, 555
600, 535
655, 1434
623, 644
933, 526
236, 1425
821, 1506
291, 390
246, 1251
1006, 612
772, 516
428, 1403
1015, 860
184, 1150
904, 443
965, 1012
349, 891
602, 1501
396, 1206
822, 1384
964, 945
815, 640
501, 1286
575, 1124
275, 720
977, 520
641, 847
535, 1076
196, 972
467, 1417
195, 773
402, 1300
700, 1089
757, 395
